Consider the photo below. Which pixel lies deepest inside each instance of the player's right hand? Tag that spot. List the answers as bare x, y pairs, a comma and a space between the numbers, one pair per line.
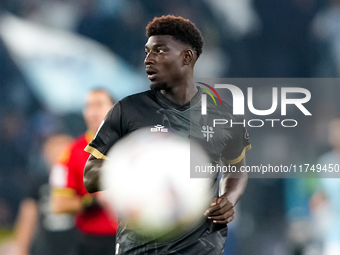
221, 210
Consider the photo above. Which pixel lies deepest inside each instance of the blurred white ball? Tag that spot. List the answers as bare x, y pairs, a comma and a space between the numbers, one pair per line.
147, 177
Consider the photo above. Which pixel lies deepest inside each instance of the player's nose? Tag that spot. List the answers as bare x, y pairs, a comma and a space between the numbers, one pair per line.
149, 59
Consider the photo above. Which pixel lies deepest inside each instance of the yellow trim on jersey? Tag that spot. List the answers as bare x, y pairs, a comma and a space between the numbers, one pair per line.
96, 153
238, 159
64, 192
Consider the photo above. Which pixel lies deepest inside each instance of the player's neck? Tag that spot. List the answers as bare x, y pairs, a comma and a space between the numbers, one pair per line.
181, 94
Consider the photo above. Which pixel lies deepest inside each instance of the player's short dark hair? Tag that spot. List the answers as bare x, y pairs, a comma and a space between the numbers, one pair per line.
100, 89
178, 27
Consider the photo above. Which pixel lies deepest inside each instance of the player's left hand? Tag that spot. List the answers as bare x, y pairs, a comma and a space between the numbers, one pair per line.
221, 210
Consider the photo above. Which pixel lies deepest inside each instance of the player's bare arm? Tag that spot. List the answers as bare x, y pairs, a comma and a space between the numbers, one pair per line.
92, 174
233, 186
63, 204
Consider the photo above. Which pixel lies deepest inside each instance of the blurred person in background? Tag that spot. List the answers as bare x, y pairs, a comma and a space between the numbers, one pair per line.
13, 164
96, 229
326, 203
39, 231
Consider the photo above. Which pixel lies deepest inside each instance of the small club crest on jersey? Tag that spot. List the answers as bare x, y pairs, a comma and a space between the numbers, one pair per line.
208, 132
159, 128
246, 134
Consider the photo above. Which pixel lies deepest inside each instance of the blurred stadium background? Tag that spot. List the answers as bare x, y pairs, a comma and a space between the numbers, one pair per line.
53, 51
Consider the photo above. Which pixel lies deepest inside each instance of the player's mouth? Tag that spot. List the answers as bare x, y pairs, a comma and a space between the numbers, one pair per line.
151, 73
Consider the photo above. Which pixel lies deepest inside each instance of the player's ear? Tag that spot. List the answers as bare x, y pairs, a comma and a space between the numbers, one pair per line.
188, 57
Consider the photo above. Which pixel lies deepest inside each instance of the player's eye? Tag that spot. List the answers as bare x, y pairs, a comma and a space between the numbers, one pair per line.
160, 51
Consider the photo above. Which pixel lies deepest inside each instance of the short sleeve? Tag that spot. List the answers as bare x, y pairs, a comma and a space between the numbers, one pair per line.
108, 134
237, 146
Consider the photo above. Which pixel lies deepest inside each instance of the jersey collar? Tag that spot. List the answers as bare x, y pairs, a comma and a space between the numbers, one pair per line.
169, 104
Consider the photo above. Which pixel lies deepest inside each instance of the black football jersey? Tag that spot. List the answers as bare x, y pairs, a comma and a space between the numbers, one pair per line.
227, 142
151, 109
